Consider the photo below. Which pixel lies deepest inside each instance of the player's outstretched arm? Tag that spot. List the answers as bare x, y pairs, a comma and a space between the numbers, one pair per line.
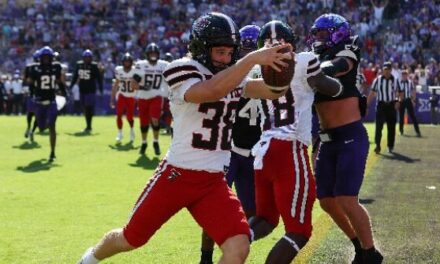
225, 81
257, 89
325, 84
337, 67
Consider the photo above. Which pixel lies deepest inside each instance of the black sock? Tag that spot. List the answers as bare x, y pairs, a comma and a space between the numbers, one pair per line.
29, 120
370, 250
206, 256
356, 244
35, 126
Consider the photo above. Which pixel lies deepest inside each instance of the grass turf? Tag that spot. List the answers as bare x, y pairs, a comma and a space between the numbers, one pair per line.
52, 213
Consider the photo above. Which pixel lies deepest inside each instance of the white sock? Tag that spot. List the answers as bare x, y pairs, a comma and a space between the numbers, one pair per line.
89, 258
120, 131
144, 141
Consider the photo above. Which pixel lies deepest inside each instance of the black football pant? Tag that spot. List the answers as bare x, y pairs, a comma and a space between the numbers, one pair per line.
385, 112
407, 104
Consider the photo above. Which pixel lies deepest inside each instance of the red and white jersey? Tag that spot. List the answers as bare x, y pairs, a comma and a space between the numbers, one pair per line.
125, 78
202, 132
152, 83
290, 117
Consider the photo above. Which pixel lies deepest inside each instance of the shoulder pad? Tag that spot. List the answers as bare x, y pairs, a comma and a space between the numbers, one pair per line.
181, 70
162, 62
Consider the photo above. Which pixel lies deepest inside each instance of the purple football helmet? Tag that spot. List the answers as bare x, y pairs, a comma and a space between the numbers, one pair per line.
87, 53
36, 55
249, 36
337, 28
46, 50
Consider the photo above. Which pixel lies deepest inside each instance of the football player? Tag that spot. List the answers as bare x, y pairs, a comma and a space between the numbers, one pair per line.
284, 183
204, 92
124, 90
246, 132
47, 78
88, 75
343, 151
30, 98
150, 94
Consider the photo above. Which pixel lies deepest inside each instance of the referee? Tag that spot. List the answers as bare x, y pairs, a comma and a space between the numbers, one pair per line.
406, 87
385, 88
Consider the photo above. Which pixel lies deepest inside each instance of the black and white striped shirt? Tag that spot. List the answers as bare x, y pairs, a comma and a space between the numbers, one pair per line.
385, 88
407, 87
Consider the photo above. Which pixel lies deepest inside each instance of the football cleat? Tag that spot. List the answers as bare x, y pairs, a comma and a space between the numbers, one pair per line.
156, 148
52, 157
357, 258
26, 133
31, 136
87, 130
374, 257
143, 149
119, 137
206, 262
377, 150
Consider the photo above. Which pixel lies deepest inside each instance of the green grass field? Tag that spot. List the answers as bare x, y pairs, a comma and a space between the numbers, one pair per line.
53, 213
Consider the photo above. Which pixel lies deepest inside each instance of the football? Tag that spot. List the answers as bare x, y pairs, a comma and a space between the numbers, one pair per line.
279, 81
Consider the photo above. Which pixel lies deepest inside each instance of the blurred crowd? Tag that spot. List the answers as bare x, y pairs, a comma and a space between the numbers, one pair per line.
403, 31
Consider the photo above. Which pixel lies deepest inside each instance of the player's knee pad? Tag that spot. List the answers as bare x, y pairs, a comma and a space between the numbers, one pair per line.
144, 129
